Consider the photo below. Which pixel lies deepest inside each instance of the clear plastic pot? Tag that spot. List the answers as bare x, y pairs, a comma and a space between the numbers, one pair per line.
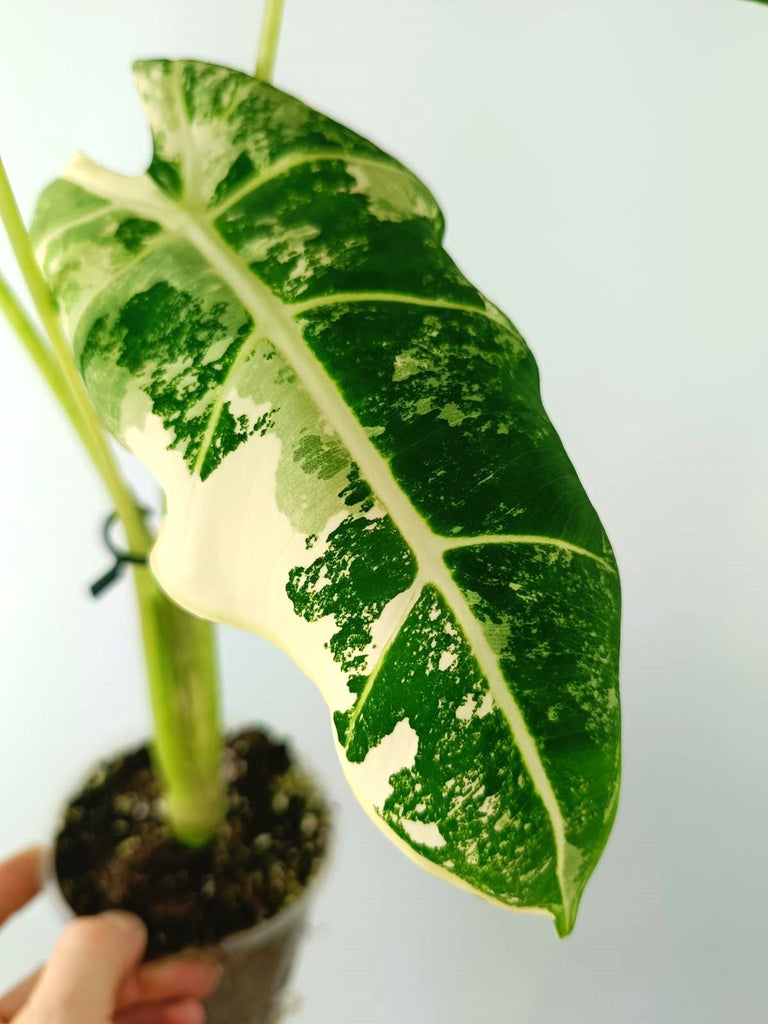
256, 963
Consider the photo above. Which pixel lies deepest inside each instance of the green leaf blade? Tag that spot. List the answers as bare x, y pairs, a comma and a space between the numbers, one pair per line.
357, 465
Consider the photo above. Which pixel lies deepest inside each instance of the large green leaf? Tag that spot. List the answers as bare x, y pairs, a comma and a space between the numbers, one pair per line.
357, 465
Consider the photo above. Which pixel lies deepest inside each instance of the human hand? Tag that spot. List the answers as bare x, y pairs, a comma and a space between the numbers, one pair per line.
95, 975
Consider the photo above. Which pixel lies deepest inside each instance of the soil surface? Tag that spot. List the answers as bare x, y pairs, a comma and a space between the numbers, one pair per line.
115, 850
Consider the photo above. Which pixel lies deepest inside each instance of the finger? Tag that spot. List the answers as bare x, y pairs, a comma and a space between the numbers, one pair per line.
20, 880
12, 1001
91, 960
170, 979
185, 1011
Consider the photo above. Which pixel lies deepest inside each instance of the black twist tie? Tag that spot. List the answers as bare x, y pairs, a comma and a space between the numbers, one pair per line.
122, 558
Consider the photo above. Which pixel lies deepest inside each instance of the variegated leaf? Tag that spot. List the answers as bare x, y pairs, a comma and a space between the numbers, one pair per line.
357, 465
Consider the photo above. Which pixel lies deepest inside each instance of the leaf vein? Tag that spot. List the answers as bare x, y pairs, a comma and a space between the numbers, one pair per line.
292, 160
451, 543
343, 298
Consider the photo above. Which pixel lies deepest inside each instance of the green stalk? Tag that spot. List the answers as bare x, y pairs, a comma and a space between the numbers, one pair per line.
179, 649
270, 35
183, 685
138, 537
45, 362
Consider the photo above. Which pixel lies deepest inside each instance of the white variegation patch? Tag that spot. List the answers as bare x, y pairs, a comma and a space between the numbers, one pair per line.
392, 196
213, 586
424, 833
371, 778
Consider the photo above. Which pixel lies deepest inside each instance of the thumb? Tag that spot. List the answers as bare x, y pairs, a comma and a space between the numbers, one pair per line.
89, 963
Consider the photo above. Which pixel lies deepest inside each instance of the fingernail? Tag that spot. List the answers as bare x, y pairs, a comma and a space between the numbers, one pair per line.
125, 921
209, 964
215, 971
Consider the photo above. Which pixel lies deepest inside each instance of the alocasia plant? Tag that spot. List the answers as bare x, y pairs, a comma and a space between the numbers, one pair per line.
357, 465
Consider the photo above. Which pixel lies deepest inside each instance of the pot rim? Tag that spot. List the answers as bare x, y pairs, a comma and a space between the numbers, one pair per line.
262, 931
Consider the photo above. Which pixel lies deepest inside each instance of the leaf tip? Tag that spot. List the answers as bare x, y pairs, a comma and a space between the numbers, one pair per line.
565, 915
564, 923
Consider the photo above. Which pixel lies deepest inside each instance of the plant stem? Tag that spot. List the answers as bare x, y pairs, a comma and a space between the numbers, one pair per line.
183, 687
138, 538
270, 35
179, 648
45, 362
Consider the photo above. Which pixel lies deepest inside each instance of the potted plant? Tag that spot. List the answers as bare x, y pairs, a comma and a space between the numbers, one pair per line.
356, 464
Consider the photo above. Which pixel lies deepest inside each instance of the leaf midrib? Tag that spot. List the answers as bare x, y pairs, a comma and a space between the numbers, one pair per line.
283, 331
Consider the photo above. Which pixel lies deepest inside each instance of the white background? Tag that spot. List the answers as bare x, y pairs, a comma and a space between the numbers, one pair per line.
604, 169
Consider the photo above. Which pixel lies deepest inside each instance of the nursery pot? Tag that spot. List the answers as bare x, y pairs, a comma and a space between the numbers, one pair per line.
114, 851
256, 967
